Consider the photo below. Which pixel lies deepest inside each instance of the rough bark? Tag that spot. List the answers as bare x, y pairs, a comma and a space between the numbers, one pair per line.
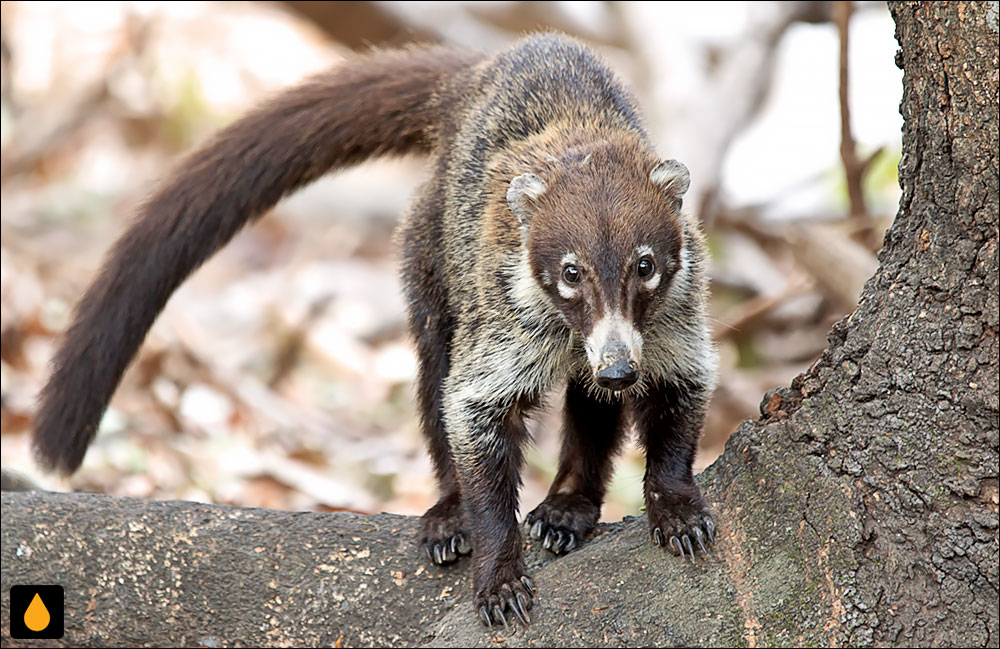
860, 509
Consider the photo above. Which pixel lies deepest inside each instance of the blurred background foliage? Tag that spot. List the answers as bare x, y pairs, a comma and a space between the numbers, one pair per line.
281, 375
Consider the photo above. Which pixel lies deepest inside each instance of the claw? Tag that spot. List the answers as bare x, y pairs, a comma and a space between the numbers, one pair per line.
453, 546
710, 529
557, 544
536, 529
437, 554
520, 609
527, 584
547, 543
427, 551
701, 544
658, 537
572, 542
463, 544
680, 548
688, 546
499, 613
484, 615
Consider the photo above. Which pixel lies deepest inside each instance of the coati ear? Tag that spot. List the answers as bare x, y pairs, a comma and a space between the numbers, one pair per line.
522, 190
672, 177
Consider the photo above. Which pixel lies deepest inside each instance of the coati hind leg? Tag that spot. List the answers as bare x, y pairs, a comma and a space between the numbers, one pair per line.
592, 434
442, 536
669, 419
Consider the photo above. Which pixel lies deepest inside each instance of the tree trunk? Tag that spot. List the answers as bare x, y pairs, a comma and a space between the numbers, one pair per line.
860, 509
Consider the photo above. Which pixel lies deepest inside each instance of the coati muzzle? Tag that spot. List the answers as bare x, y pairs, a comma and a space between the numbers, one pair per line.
614, 348
617, 369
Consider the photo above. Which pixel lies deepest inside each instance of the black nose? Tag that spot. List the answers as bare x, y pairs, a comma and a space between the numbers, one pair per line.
617, 376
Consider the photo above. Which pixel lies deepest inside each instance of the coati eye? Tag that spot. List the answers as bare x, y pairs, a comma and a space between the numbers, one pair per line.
645, 267
571, 274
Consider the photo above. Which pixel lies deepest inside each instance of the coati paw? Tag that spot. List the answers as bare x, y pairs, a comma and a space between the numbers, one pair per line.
443, 539
446, 549
501, 597
683, 533
562, 521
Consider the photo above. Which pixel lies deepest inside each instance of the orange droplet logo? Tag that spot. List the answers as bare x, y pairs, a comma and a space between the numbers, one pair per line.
36, 617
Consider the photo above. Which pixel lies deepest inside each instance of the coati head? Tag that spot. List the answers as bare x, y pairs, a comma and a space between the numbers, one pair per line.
605, 242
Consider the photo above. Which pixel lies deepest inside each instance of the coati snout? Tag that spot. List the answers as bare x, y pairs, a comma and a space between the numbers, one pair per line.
605, 243
615, 362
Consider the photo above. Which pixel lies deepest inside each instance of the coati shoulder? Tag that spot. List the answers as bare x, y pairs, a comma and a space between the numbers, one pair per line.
548, 244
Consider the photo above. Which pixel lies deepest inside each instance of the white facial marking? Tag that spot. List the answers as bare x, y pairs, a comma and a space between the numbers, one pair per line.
566, 291
612, 328
526, 291
654, 281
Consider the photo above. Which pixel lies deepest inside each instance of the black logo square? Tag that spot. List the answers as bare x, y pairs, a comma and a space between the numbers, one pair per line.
37, 612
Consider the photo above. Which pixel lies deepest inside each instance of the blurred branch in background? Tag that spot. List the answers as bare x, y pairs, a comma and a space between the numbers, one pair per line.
737, 80
854, 168
281, 375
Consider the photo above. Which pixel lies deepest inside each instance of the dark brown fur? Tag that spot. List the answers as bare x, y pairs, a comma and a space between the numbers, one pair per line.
538, 156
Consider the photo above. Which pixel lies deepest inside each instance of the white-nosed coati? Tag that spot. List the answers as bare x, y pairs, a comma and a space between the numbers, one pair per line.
548, 244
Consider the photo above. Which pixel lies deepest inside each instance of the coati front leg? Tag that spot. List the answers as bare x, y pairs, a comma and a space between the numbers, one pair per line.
592, 434
487, 435
669, 419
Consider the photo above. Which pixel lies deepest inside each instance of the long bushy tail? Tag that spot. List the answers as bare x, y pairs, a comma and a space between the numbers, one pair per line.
377, 104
